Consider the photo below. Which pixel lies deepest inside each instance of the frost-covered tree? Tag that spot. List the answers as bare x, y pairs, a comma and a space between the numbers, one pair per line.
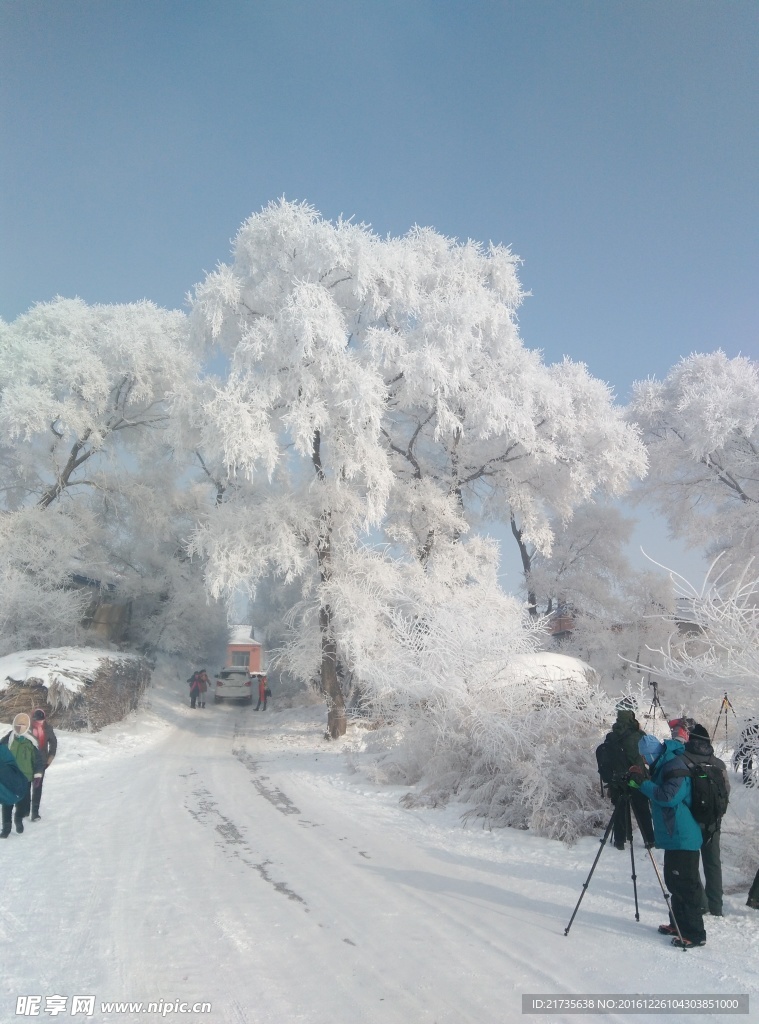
78, 383
297, 421
701, 430
88, 472
615, 612
476, 425
725, 612
39, 607
171, 610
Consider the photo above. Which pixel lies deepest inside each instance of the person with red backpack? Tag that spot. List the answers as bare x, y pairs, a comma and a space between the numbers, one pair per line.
47, 744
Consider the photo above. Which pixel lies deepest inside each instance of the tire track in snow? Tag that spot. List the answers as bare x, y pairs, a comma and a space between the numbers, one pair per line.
275, 796
207, 812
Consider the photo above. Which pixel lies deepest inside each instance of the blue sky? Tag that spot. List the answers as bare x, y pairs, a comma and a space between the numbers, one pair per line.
613, 145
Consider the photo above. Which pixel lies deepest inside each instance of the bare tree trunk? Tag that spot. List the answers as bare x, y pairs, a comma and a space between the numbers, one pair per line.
330, 684
532, 599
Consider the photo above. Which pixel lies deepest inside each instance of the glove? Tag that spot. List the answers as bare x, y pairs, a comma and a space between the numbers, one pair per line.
635, 777
37, 781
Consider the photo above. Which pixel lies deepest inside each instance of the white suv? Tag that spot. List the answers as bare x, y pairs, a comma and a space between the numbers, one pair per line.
235, 684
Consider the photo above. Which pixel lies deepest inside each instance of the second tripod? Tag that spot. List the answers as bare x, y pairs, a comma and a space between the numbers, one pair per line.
625, 806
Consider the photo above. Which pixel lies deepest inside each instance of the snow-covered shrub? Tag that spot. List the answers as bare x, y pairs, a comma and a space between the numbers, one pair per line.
469, 708
524, 759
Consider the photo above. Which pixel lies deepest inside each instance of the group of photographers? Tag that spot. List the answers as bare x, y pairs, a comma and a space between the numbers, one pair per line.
652, 781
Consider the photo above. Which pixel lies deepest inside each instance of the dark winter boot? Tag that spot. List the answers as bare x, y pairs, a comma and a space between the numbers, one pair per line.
753, 894
6, 822
19, 823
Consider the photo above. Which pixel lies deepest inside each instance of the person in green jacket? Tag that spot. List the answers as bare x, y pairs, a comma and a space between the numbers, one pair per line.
23, 746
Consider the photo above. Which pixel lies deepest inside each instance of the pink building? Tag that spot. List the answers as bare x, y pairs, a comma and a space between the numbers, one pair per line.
242, 650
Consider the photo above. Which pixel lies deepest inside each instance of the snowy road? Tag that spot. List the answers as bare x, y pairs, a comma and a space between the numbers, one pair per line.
239, 859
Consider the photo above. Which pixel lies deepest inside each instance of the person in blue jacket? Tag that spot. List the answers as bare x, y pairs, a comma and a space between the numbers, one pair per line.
13, 785
675, 830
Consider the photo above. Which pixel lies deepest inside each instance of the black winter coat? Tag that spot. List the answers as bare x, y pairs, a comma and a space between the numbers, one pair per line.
700, 749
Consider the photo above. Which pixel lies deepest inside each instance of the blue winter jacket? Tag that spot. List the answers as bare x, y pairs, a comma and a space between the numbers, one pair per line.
13, 782
669, 791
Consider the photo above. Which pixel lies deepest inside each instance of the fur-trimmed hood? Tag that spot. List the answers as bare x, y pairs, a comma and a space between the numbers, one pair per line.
20, 730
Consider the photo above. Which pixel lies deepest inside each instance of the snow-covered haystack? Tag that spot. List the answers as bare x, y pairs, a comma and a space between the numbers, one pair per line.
80, 688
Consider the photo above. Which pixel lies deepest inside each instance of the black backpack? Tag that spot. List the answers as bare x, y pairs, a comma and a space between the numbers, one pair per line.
709, 796
611, 760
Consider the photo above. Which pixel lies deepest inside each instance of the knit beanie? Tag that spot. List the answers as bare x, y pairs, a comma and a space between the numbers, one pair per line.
679, 730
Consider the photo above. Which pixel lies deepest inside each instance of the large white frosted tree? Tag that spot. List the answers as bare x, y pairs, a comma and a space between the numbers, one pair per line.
381, 385
701, 429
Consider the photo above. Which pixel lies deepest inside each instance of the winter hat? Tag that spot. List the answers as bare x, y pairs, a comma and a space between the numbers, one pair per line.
650, 748
38, 715
699, 730
679, 730
21, 724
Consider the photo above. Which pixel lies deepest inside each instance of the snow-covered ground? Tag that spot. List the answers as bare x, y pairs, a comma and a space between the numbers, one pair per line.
241, 860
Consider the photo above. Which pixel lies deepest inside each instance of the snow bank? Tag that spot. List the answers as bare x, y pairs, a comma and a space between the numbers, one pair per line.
553, 668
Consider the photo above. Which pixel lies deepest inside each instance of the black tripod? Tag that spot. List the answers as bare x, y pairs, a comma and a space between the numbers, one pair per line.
723, 711
628, 810
655, 702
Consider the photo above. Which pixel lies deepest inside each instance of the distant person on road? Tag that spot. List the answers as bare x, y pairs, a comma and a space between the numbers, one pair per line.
747, 752
47, 744
23, 746
263, 693
198, 688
